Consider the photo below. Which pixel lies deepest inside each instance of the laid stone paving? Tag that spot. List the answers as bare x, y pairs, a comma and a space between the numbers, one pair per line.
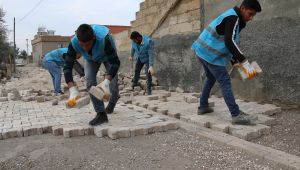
20, 119
184, 106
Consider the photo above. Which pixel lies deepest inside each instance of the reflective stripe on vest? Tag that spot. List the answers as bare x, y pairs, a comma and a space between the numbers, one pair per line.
216, 52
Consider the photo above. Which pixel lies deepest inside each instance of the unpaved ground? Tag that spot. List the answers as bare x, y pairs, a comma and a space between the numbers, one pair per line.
285, 134
170, 150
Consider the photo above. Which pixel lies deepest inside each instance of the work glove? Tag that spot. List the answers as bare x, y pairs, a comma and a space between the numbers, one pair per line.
105, 87
74, 95
151, 70
248, 69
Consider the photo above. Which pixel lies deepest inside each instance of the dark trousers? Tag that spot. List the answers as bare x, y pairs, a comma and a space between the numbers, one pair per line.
138, 67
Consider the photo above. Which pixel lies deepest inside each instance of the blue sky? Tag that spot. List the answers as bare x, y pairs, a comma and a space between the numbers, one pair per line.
64, 16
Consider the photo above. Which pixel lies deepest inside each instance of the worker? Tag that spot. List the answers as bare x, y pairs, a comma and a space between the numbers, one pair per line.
53, 62
142, 53
97, 46
216, 47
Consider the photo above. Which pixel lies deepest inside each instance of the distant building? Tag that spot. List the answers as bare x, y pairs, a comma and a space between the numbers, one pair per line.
46, 41
115, 29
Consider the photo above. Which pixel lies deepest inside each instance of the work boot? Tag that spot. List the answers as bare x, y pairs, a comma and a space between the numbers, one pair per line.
110, 108
243, 119
100, 118
202, 111
253, 117
134, 84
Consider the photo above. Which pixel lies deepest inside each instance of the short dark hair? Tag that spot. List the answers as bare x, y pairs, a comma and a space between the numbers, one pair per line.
252, 4
85, 33
135, 35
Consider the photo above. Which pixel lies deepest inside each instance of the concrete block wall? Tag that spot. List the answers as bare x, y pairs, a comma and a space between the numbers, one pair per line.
272, 40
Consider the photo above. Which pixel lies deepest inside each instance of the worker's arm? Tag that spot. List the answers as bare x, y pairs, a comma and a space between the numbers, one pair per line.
113, 58
151, 53
132, 52
231, 26
69, 60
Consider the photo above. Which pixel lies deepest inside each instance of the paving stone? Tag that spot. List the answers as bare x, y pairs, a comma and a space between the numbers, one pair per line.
3, 99
152, 97
138, 130
191, 99
57, 130
179, 90
83, 101
32, 130
71, 132
162, 111
100, 131
153, 108
166, 94
157, 127
12, 133
197, 95
40, 99
116, 133
158, 88
171, 125
249, 132
174, 114
144, 106
141, 93
163, 98
130, 107
54, 102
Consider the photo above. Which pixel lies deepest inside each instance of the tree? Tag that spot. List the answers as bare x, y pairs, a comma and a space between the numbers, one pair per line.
4, 45
23, 54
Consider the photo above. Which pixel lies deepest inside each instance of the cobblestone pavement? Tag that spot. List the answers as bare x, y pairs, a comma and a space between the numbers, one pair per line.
21, 119
184, 106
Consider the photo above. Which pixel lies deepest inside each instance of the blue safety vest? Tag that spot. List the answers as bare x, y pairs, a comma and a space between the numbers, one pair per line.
56, 56
210, 46
142, 51
98, 53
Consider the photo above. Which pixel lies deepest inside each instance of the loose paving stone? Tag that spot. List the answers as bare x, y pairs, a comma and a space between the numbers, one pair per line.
162, 111
3, 99
40, 99
55, 102
163, 98
152, 97
179, 90
190, 99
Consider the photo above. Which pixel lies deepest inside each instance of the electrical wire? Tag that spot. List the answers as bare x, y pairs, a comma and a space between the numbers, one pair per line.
31, 10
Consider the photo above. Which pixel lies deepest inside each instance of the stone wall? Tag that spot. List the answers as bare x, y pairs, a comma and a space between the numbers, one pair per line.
174, 25
272, 40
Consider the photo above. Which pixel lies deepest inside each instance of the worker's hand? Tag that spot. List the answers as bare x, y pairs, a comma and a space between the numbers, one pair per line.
151, 70
105, 87
131, 59
74, 95
248, 69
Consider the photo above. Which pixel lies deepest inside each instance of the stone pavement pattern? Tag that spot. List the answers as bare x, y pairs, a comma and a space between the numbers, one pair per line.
20, 119
184, 106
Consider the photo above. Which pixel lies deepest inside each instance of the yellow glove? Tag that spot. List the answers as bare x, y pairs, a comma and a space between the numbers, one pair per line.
74, 95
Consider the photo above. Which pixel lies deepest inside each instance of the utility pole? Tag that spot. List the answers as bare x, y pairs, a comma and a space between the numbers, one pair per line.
27, 46
14, 56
